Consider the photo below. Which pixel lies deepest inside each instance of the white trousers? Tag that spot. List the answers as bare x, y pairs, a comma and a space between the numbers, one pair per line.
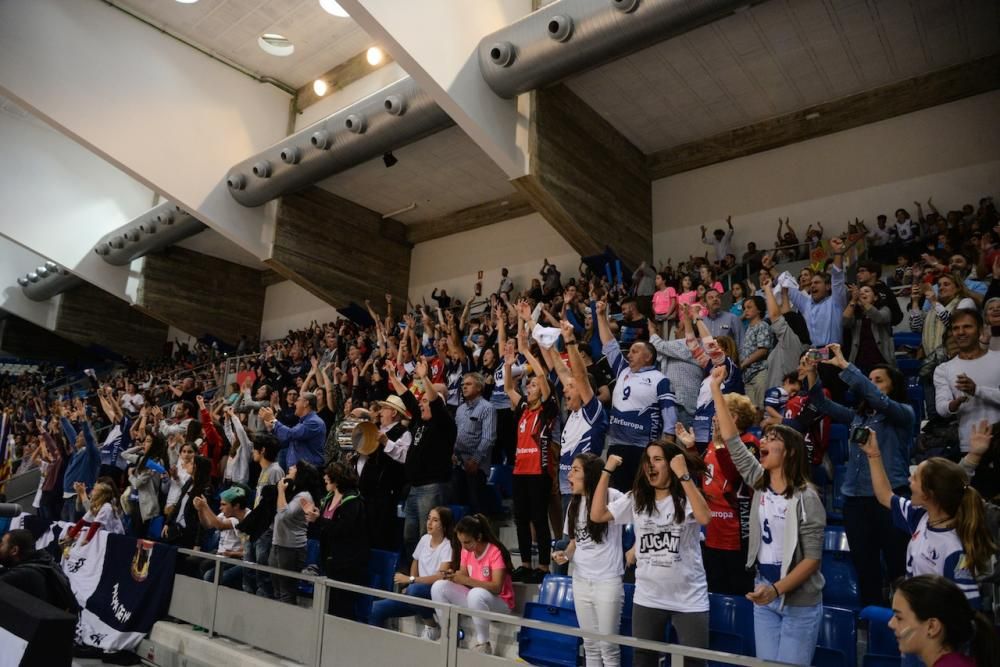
470, 598
599, 609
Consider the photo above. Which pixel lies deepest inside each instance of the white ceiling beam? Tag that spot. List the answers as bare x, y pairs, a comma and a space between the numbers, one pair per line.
17, 260
436, 41
166, 114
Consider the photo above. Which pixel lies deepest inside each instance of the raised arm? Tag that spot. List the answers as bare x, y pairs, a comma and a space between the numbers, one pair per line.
541, 372
599, 511
508, 378
579, 369
880, 481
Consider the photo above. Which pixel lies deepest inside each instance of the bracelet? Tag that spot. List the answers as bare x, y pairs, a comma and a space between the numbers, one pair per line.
610, 472
776, 593
874, 456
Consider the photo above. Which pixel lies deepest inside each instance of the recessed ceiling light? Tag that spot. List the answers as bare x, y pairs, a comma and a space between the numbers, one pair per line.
187, 2
374, 55
275, 44
333, 7
319, 87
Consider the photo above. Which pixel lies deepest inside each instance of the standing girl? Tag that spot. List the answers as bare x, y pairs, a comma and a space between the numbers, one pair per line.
668, 511
596, 551
787, 521
483, 579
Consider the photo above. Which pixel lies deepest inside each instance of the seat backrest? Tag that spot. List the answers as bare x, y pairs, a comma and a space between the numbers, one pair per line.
838, 633
382, 568
312, 552
881, 639
556, 590
841, 589
835, 539
628, 537
730, 624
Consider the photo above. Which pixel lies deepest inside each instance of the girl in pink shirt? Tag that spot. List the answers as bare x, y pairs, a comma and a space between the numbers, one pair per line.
483, 581
664, 303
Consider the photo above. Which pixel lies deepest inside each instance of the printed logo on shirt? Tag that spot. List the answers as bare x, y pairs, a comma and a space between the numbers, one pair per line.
667, 540
486, 572
582, 536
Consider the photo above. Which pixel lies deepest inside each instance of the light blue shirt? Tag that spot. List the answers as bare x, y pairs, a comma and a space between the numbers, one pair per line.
305, 440
823, 318
725, 324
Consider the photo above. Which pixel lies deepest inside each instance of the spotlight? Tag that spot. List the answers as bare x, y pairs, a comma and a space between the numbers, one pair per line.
374, 56
333, 7
319, 87
389, 159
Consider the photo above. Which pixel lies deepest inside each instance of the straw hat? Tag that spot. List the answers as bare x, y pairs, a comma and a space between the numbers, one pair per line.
395, 403
364, 438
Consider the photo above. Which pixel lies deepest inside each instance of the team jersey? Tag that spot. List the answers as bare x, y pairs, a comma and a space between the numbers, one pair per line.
773, 508
499, 399
705, 410
669, 571
534, 431
642, 405
454, 370
803, 416
728, 499
583, 432
933, 550
776, 398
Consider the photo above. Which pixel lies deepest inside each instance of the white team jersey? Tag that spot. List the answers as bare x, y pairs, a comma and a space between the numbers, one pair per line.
772, 517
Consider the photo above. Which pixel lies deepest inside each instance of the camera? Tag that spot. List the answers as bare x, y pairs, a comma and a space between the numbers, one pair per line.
860, 435
819, 353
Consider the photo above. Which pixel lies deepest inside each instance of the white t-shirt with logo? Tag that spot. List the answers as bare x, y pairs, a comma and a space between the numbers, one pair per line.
669, 571
773, 508
229, 540
429, 559
597, 561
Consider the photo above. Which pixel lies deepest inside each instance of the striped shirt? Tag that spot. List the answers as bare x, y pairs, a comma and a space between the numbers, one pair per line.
477, 430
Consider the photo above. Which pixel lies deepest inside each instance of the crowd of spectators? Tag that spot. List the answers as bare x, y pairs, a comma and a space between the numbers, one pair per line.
695, 410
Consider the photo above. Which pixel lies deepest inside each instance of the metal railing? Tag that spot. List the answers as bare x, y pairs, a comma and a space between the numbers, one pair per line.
185, 608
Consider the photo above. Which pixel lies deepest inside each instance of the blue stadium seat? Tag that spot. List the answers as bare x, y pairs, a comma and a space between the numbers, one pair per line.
550, 649
836, 510
838, 639
839, 447
881, 640
458, 512
907, 366
556, 590
4, 525
628, 537
312, 558
835, 539
906, 339
730, 624
502, 476
155, 529
841, 589
381, 570
871, 660
625, 626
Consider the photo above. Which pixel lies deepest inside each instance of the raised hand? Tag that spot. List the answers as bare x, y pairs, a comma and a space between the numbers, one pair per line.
678, 465
684, 436
568, 333
870, 446
718, 375
836, 356
837, 245
421, 368
980, 438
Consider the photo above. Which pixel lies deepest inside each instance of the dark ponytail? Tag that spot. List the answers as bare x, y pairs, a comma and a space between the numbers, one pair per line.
478, 527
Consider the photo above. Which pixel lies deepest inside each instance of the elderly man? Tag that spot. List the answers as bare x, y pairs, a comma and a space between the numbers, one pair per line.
642, 406
823, 305
476, 426
305, 440
721, 322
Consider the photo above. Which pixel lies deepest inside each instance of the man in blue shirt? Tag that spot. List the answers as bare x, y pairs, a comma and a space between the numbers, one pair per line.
722, 322
823, 305
305, 440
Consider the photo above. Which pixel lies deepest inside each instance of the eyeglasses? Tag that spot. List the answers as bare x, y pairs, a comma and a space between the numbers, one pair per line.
771, 435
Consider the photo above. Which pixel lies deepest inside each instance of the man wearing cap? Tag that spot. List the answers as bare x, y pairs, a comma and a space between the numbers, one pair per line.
305, 440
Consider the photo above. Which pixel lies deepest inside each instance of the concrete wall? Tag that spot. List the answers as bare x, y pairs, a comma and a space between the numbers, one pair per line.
288, 306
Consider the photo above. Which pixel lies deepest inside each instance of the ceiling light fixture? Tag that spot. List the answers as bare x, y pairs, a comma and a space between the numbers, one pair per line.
389, 159
187, 2
333, 7
319, 87
275, 44
374, 55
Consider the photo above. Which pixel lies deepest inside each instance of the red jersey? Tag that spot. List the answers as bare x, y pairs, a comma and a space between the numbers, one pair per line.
534, 431
728, 499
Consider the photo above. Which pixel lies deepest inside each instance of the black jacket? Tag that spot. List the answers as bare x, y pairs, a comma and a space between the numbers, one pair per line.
428, 460
343, 538
40, 576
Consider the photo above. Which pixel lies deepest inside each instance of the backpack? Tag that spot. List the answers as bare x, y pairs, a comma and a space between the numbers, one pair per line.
57, 584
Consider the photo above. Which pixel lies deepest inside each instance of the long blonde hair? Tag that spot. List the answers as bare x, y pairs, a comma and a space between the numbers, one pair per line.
102, 493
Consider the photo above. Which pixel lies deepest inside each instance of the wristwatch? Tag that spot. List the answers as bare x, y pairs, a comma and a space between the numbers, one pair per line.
685, 477
412, 579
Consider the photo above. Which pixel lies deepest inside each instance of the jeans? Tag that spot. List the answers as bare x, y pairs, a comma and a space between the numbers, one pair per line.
471, 598
649, 623
418, 504
383, 610
599, 609
230, 577
258, 551
871, 534
787, 634
293, 559
531, 508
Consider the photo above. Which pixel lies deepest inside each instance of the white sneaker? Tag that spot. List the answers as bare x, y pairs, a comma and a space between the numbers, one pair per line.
485, 648
432, 632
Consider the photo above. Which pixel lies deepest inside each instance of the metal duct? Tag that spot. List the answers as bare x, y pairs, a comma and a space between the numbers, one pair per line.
391, 118
55, 280
157, 228
568, 37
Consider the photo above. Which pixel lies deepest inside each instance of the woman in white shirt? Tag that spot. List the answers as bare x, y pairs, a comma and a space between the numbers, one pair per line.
436, 551
668, 511
596, 551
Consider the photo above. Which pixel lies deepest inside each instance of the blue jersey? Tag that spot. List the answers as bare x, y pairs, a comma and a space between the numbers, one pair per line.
583, 432
776, 398
642, 405
705, 410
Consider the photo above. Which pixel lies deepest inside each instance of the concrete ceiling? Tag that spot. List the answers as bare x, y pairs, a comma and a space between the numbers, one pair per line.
442, 173
782, 56
231, 28
214, 244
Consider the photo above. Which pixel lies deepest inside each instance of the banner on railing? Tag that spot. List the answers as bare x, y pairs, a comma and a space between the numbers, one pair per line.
122, 584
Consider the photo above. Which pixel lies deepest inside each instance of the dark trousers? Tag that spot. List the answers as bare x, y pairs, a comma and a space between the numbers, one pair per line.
531, 508
506, 442
726, 571
872, 538
341, 603
649, 623
624, 475
469, 489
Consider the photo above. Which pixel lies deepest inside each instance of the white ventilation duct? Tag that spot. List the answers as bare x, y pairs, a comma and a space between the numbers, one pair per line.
568, 37
47, 281
161, 226
391, 118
